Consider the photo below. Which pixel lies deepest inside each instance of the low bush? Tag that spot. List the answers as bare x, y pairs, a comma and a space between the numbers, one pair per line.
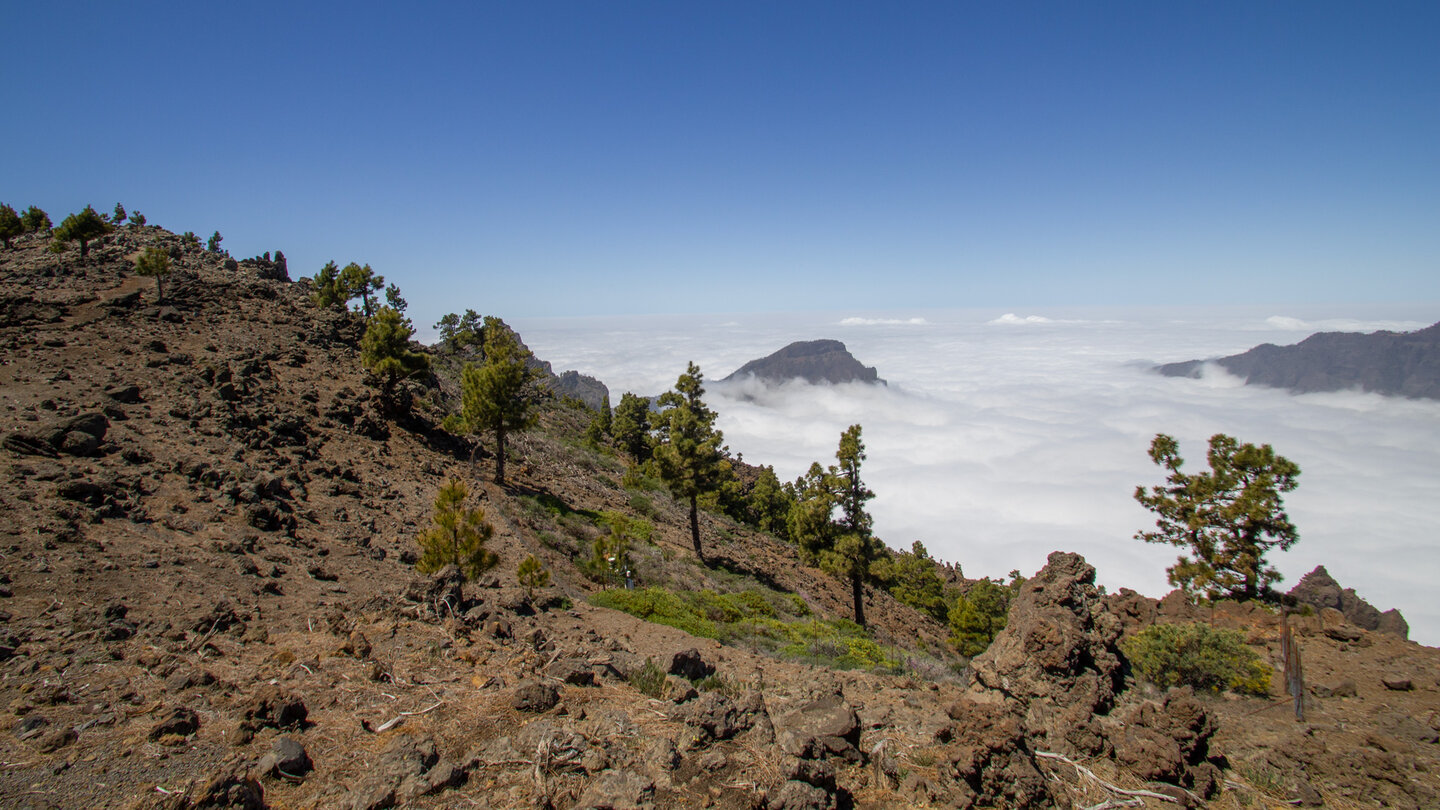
1199, 656
649, 679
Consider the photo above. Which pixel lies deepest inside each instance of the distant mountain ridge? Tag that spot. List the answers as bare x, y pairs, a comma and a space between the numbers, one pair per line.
1395, 363
815, 361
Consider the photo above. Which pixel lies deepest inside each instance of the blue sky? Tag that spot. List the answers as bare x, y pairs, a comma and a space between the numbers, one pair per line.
556, 159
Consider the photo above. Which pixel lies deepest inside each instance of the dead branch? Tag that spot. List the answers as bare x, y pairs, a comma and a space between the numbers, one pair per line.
1149, 794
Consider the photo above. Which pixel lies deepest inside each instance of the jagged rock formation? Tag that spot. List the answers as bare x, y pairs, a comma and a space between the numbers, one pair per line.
583, 387
1058, 666
815, 361
1399, 363
1320, 590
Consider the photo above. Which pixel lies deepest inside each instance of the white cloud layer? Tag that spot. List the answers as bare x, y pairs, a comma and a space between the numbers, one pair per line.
995, 446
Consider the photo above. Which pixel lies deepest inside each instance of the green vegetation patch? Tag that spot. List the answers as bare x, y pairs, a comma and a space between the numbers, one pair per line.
1199, 656
776, 623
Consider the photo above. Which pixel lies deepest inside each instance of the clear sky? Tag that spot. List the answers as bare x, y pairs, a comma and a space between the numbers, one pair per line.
552, 159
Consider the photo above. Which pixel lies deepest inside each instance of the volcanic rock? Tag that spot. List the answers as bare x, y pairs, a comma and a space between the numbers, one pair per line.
815, 361
1400, 363
1320, 590
1057, 656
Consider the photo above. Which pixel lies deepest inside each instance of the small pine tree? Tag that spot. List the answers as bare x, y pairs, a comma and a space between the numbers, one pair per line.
329, 292
458, 332
189, 240
394, 300
496, 395
36, 220
361, 282
532, 575
599, 426
978, 615
385, 352
214, 244
630, 426
118, 216
137, 218
83, 227
610, 554
154, 263
689, 457
11, 225
457, 536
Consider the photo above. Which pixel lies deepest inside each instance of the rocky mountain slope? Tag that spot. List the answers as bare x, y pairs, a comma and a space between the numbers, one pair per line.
1398, 363
207, 599
815, 361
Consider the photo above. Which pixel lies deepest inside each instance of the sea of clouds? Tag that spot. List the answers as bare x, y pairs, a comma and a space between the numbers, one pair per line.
1004, 436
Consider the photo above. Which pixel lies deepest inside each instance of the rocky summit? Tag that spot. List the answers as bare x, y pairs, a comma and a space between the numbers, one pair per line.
817, 362
209, 599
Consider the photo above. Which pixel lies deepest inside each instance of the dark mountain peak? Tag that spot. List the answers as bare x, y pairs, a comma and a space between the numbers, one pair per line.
1397, 363
815, 361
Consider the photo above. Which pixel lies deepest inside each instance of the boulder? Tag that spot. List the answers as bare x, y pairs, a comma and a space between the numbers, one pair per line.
690, 665
287, 757
535, 697
821, 728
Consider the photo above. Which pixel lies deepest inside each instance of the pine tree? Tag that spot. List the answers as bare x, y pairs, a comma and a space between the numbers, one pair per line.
496, 395
531, 574
385, 352
361, 282
630, 425
329, 291
911, 578
154, 263
769, 504
136, 218
118, 216
214, 244
1228, 517
689, 454
83, 227
600, 424
36, 220
457, 536
394, 300
978, 615
460, 332
843, 548
610, 554
11, 225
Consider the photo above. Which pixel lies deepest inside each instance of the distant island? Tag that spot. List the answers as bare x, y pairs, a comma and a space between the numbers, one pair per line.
1403, 364
815, 361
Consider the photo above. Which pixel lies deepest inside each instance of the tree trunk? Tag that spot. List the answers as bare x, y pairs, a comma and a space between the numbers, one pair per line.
500, 453
857, 589
695, 526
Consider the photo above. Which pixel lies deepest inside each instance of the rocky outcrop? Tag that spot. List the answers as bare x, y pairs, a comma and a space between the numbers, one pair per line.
1058, 667
1057, 657
1399, 363
1320, 590
815, 361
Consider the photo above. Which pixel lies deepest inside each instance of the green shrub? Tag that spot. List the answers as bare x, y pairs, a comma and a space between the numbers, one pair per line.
1199, 656
649, 679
